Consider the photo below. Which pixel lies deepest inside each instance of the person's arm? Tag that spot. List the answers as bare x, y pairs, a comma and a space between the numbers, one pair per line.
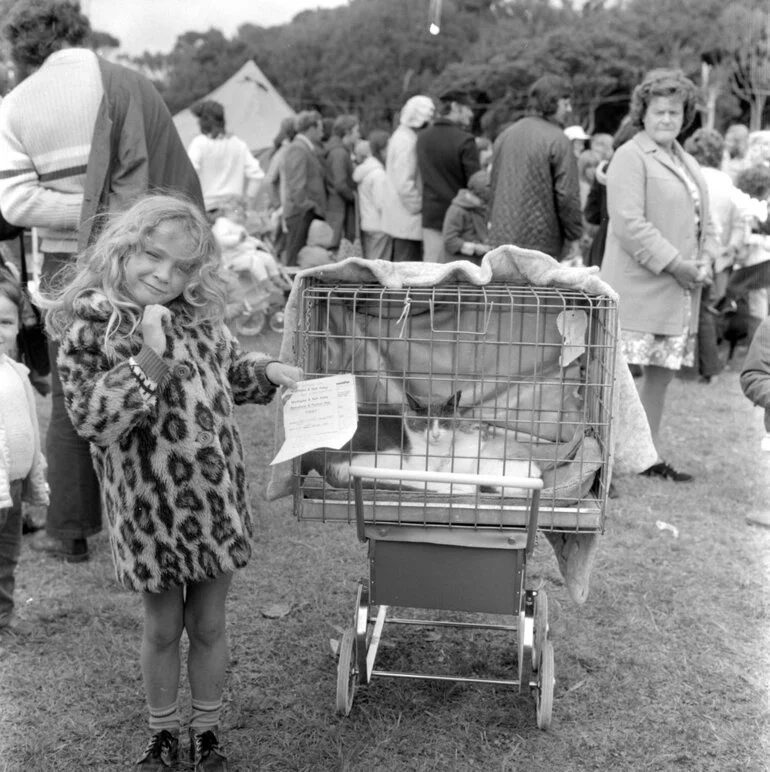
295, 174
592, 211
755, 375
566, 190
626, 206
455, 226
23, 199
710, 237
195, 151
469, 158
105, 402
254, 377
403, 174
253, 172
338, 174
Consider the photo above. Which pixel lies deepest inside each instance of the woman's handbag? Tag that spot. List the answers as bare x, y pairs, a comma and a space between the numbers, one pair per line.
32, 342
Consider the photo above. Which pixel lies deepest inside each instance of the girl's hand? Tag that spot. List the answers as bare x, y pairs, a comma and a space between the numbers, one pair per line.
154, 318
283, 375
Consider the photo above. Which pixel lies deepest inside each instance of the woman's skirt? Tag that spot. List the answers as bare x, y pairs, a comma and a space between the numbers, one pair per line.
670, 351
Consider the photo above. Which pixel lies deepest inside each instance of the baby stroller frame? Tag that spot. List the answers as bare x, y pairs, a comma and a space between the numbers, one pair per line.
417, 567
536, 368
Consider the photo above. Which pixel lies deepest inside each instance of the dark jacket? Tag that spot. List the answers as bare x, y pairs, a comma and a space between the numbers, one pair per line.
135, 149
535, 192
755, 375
447, 156
304, 178
340, 191
465, 220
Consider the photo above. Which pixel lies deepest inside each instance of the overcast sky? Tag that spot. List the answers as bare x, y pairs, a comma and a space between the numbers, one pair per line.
154, 25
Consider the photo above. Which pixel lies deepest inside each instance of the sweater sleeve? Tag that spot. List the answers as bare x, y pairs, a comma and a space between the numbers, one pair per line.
566, 189
23, 200
247, 374
252, 171
404, 176
338, 173
453, 231
469, 158
755, 375
104, 402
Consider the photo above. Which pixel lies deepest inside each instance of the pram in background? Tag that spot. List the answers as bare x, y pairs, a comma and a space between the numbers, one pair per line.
257, 283
535, 365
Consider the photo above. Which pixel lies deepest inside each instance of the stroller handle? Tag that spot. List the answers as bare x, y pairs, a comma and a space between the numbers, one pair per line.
503, 481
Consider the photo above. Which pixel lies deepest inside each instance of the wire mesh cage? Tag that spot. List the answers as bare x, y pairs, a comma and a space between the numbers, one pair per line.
497, 379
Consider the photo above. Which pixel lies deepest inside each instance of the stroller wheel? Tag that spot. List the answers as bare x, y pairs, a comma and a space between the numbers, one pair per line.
250, 324
545, 683
276, 321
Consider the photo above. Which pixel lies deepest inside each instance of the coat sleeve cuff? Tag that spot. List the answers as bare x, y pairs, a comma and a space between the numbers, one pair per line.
260, 373
153, 366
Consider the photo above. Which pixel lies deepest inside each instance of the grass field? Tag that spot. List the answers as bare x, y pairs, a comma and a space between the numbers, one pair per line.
666, 667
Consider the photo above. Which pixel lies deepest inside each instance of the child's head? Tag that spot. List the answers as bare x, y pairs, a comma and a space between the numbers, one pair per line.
587, 162
755, 181
158, 251
11, 300
759, 147
234, 209
378, 144
479, 185
362, 151
320, 234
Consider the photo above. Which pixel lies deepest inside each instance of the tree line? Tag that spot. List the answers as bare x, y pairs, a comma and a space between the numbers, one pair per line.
369, 56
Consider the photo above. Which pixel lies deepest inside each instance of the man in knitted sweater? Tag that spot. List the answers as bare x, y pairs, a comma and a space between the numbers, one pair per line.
79, 138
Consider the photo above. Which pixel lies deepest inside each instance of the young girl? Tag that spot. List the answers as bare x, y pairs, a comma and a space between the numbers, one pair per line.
150, 375
22, 474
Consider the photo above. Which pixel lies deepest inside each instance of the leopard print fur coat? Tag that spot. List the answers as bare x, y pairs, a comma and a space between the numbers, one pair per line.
171, 468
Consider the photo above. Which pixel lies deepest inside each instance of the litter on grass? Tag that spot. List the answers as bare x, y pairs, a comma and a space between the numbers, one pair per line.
667, 527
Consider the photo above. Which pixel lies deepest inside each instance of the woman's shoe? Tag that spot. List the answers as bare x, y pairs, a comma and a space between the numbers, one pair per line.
667, 472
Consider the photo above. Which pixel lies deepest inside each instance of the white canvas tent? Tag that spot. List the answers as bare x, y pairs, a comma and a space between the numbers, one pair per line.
253, 109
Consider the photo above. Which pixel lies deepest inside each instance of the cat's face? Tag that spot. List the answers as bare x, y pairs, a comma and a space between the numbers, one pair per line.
434, 421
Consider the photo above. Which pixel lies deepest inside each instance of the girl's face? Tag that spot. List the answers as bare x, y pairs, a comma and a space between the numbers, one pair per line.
663, 119
9, 325
159, 273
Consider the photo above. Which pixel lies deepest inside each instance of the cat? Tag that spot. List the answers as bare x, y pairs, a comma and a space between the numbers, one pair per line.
424, 438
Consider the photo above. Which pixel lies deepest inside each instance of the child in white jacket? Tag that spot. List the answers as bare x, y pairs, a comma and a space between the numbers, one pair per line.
371, 179
22, 467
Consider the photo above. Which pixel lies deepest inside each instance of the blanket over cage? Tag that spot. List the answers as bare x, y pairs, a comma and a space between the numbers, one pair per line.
631, 446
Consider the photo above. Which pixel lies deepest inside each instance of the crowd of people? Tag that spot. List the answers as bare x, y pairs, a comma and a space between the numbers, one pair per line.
129, 221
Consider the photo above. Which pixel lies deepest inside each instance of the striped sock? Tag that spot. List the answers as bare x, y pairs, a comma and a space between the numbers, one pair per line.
205, 715
165, 718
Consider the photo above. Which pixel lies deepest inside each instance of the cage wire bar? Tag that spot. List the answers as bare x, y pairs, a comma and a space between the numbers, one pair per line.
538, 383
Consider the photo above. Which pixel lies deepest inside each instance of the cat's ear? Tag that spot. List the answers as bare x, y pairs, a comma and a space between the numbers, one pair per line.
413, 402
454, 400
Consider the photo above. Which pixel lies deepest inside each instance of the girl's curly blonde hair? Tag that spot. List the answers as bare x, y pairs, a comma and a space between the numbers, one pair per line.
102, 267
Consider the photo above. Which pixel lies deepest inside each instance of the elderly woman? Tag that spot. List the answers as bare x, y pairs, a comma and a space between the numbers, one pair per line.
661, 243
402, 202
